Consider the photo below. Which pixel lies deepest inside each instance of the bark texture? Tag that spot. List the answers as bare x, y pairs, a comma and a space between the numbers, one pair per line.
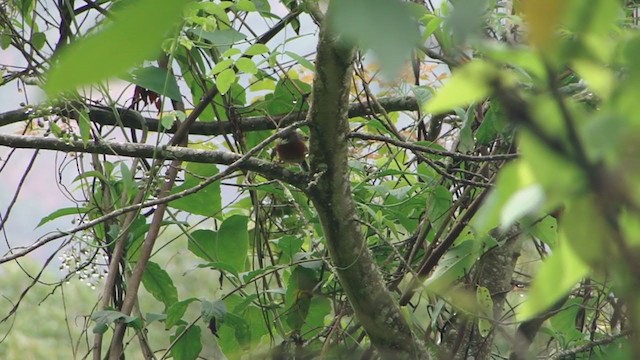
494, 271
330, 192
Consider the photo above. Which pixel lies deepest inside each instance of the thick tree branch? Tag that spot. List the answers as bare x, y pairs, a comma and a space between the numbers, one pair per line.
374, 307
265, 168
104, 115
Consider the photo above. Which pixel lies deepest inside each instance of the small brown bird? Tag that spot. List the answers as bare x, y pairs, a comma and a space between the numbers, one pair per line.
292, 149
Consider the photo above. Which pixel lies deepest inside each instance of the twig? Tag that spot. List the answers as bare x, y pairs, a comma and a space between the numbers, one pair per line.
569, 353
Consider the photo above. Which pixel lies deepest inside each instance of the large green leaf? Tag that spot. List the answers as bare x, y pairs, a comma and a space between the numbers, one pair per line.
228, 246
62, 212
189, 345
555, 278
206, 202
133, 36
176, 311
155, 79
469, 84
384, 26
453, 266
233, 241
158, 282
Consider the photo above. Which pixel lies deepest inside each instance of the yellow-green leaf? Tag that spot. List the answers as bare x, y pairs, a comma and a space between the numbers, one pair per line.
556, 277
469, 84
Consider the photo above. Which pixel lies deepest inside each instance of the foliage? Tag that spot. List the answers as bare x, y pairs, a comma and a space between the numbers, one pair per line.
510, 135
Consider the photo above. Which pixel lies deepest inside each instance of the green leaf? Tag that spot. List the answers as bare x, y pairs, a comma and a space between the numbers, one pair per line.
560, 177
256, 49
221, 65
156, 79
385, 26
319, 308
485, 306
202, 243
301, 60
159, 284
62, 212
105, 317
469, 84
556, 277
176, 311
250, 275
223, 37
289, 245
523, 202
438, 205
5, 41
213, 310
206, 202
299, 294
189, 345
167, 120
233, 241
221, 266
245, 5
225, 79
453, 266
246, 66
85, 125
226, 247
587, 232
564, 322
153, 317
138, 35
546, 230
513, 176
242, 330
467, 19
38, 40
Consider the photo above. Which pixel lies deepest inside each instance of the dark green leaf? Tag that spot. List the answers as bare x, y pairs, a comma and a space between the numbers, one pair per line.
189, 345
233, 241
62, 212
158, 283
38, 40
485, 307
202, 244
289, 245
242, 330
221, 266
176, 311
157, 80
223, 37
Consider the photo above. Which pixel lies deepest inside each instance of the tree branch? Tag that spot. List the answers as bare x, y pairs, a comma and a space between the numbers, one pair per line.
332, 197
267, 169
105, 115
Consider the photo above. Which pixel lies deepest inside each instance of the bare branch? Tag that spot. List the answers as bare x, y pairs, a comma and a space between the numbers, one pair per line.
104, 115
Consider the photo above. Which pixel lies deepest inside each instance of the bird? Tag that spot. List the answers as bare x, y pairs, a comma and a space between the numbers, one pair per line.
292, 149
